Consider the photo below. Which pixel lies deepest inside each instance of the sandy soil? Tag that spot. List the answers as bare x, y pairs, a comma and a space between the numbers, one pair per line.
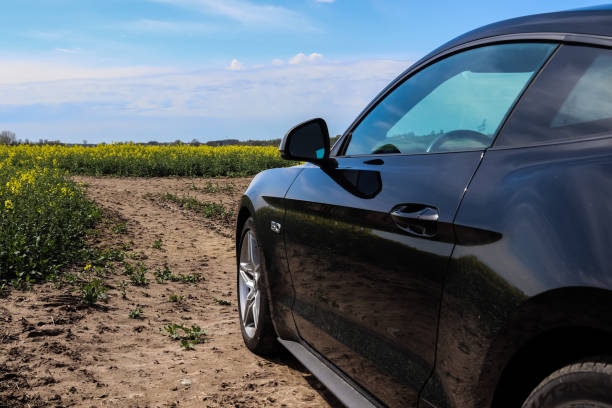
56, 352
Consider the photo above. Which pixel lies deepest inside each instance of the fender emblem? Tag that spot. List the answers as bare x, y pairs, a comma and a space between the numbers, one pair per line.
275, 227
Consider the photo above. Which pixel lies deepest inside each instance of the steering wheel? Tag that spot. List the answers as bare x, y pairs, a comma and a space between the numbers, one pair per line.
458, 134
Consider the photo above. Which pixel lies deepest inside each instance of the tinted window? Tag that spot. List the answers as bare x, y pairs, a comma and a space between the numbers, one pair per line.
455, 104
572, 98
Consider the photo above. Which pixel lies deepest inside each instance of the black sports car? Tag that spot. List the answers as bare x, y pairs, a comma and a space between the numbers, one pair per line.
453, 248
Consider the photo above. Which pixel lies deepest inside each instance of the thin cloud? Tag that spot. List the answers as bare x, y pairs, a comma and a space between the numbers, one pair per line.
302, 58
339, 89
17, 72
68, 50
247, 13
169, 27
46, 35
325, 1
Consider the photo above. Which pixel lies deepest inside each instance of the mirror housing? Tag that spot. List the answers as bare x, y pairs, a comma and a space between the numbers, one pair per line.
308, 141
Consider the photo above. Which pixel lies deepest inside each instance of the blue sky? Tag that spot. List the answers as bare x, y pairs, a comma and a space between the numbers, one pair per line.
140, 70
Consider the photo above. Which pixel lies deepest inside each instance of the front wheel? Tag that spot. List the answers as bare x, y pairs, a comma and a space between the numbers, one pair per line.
587, 384
255, 322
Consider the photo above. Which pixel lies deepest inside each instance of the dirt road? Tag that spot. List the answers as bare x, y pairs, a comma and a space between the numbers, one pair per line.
56, 352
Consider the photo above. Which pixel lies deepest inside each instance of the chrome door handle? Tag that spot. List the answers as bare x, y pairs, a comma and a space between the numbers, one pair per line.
418, 219
425, 214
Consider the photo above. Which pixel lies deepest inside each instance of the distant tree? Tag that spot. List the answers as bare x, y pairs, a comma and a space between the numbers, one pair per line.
333, 139
85, 142
195, 142
7, 137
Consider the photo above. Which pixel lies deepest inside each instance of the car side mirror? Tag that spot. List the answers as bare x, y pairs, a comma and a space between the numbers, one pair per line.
308, 141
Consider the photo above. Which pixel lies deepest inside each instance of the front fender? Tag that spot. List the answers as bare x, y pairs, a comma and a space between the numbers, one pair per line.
264, 201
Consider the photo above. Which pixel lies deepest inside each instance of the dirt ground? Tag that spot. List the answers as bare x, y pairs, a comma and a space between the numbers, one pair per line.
56, 352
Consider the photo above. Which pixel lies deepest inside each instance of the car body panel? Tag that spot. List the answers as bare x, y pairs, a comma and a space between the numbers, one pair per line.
551, 262
264, 201
367, 292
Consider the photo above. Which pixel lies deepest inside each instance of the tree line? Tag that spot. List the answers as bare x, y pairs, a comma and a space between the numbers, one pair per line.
9, 138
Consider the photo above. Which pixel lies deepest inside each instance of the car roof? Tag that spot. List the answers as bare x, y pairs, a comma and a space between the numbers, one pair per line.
594, 21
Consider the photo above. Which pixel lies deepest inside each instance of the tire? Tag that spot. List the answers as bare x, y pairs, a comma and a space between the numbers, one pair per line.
586, 384
253, 308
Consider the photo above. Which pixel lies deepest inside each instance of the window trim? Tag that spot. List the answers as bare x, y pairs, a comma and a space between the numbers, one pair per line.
595, 136
560, 39
592, 136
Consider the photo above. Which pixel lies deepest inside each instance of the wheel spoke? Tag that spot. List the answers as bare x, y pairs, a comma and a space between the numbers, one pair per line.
255, 308
246, 276
253, 249
249, 317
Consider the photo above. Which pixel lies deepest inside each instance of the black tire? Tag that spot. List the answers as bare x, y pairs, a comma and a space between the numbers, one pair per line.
263, 342
586, 384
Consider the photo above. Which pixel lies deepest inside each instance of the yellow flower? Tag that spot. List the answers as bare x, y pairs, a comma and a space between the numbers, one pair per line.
88, 266
8, 204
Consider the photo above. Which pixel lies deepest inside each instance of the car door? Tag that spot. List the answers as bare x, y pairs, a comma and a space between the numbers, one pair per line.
368, 242
543, 188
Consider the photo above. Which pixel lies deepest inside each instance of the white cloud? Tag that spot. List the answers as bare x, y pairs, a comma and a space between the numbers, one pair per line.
277, 62
46, 35
218, 103
325, 1
68, 50
14, 72
245, 12
168, 27
302, 58
235, 65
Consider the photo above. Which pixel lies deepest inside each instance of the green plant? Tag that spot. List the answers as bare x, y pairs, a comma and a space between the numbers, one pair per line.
210, 188
191, 335
186, 344
136, 313
92, 291
222, 302
157, 244
176, 298
207, 209
191, 278
137, 273
139, 278
119, 228
162, 275
123, 288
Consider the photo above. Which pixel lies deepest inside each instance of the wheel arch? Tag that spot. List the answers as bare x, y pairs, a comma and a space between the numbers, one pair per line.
551, 330
278, 283
243, 215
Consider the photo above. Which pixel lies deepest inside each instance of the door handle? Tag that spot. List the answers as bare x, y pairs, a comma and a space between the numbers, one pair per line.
418, 219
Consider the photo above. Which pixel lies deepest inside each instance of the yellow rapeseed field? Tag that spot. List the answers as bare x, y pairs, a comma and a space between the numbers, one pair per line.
43, 218
44, 214
148, 161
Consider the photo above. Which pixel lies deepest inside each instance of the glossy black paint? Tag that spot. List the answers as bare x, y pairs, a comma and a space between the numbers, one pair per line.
515, 284
550, 269
264, 201
359, 278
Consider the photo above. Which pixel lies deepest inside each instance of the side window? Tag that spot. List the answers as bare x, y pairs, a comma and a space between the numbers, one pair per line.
455, 104
572, 98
